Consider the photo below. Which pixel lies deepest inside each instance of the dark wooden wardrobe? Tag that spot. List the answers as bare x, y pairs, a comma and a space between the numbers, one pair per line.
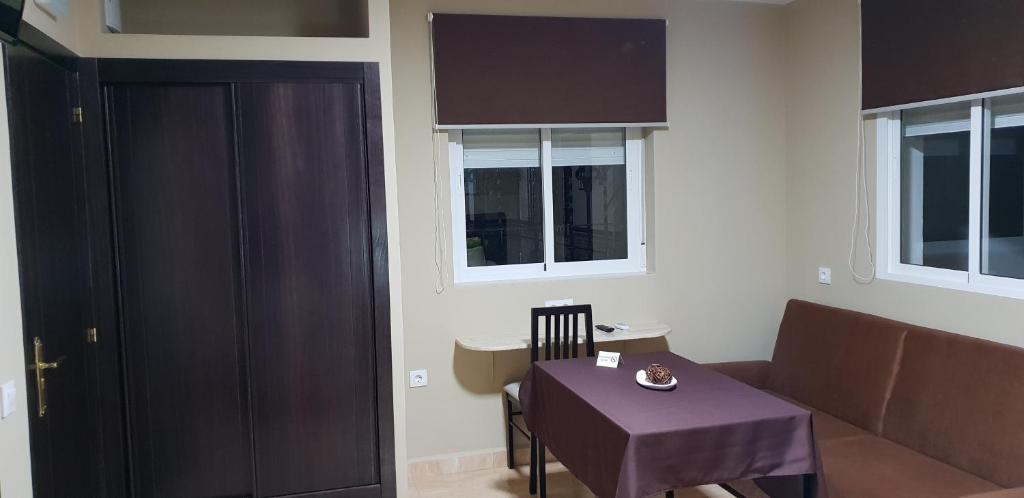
250, 254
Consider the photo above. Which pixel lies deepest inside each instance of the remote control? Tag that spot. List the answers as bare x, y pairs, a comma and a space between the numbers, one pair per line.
605, 328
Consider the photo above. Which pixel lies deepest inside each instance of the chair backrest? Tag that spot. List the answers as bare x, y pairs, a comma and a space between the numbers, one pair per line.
561, 331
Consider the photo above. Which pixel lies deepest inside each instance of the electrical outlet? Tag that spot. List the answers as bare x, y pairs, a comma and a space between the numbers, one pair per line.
418, 378
825, 275
7, 398
558, 302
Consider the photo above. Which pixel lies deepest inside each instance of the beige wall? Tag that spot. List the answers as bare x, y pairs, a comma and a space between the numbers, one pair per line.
718, 217
64, 29
821, 142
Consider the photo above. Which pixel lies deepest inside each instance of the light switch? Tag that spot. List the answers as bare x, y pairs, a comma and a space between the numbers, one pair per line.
7, 398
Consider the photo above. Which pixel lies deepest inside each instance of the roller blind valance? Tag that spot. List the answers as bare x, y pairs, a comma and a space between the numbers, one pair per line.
516, 70
917, 51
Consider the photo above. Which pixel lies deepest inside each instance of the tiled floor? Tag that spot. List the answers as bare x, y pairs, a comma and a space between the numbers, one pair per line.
505, 483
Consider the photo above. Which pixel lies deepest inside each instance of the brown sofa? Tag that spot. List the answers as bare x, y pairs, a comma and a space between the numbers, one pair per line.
900, 411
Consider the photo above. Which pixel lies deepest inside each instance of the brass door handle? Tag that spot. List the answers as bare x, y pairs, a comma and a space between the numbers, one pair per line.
41, 367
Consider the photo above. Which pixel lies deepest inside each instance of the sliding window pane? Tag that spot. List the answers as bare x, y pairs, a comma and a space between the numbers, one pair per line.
1002, 242
935, 187
589, 194
504, 197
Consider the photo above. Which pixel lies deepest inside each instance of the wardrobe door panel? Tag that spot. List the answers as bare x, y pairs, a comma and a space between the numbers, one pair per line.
303, 160
173, 161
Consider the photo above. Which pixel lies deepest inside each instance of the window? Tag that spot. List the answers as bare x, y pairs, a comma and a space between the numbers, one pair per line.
951, 195
536, 203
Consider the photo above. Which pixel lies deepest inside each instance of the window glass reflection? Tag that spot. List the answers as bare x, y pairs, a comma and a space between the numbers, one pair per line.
935, 187
504, 197
589, 194
1002, 242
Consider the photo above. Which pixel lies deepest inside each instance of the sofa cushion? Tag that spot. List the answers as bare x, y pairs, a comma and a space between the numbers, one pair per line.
872, 467
961, 400
838, 361
826, 427
751, 373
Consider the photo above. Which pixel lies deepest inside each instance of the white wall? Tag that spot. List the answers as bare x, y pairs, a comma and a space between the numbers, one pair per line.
717, 222
822, 106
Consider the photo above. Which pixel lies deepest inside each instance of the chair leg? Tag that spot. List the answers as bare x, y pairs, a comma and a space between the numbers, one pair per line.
510, 447
542, 470
533, 465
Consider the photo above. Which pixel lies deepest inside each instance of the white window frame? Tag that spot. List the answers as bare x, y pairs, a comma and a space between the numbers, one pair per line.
888, 210
634, 264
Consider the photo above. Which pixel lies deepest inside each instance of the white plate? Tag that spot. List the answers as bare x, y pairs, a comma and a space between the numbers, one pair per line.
641, 378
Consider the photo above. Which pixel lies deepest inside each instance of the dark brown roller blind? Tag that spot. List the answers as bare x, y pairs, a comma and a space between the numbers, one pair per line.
921, 50
548, 70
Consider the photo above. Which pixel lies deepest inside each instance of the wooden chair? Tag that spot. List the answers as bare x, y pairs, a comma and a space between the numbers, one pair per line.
560, 341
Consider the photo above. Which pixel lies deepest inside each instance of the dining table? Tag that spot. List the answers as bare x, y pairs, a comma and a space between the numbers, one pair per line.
623, 440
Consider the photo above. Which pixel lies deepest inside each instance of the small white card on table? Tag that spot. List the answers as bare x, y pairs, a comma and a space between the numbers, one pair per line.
608, 360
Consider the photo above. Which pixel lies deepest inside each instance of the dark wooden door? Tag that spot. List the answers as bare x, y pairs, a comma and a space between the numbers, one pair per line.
303, 158
53, 254
175, 196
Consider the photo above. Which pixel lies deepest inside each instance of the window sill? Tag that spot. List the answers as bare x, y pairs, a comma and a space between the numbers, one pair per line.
986, 285
551, 278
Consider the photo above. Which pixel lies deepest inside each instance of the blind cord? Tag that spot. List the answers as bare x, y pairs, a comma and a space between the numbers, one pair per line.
860, 189
440, 237
861, 194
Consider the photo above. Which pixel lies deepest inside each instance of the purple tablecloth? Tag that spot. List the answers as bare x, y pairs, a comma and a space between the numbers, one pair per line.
624, 441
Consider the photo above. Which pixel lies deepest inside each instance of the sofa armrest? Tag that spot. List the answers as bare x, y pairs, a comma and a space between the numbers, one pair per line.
1006, 493
753, 373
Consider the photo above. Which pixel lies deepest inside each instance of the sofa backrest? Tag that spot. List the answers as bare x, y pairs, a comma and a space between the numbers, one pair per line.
838, 361
961, 400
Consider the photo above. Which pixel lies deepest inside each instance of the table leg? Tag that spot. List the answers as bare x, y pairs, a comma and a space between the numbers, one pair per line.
731, 490
510, 454
533, 465
810, 485
542, 472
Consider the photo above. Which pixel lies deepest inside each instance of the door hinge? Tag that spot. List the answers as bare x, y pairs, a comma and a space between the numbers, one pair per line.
76, 115
91, 336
